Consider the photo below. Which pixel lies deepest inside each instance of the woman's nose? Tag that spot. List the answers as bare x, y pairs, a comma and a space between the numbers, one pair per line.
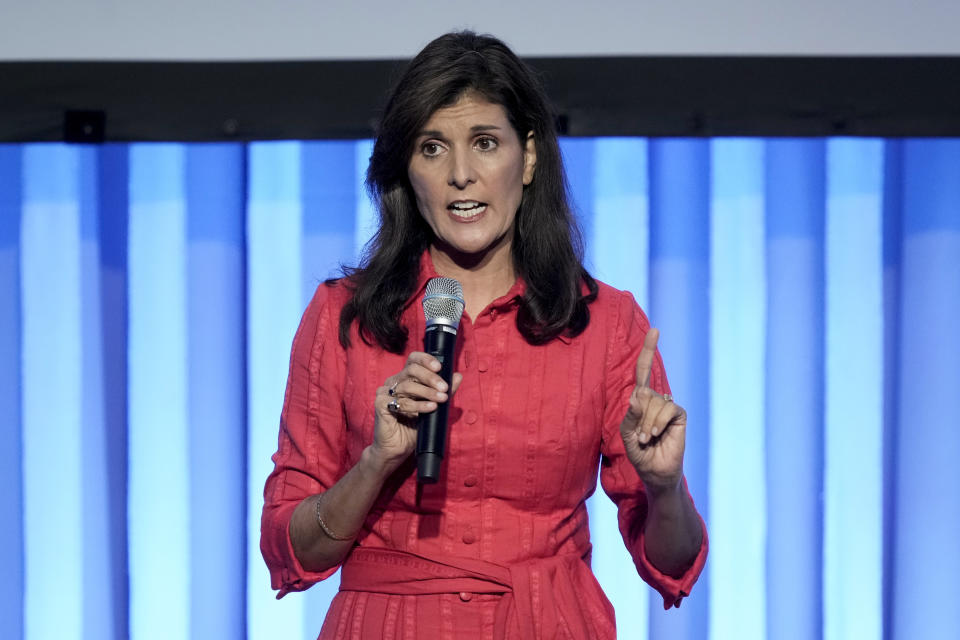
462, 171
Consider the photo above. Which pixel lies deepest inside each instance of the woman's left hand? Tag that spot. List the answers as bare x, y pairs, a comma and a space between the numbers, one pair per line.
654, 429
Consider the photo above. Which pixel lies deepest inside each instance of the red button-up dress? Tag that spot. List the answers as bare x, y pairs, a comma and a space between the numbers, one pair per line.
500, 546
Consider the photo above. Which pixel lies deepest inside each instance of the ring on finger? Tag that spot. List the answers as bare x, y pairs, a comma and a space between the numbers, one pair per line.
393, 389
667, 397
393, 406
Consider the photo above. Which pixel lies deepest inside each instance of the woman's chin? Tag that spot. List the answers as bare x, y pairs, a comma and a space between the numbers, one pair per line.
468, 251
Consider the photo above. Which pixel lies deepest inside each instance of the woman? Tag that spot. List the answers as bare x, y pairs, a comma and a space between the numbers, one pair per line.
556, 373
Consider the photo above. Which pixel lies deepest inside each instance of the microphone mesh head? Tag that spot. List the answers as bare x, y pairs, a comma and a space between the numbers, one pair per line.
443, 302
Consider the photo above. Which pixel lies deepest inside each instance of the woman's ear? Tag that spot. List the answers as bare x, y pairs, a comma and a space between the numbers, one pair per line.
529, 158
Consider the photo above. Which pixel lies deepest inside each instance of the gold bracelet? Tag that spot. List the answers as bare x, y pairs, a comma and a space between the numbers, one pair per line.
326, 529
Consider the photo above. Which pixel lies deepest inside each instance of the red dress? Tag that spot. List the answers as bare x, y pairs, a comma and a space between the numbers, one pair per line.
500, 546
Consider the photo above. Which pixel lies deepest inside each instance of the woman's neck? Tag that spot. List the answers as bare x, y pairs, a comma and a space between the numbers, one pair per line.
484, 278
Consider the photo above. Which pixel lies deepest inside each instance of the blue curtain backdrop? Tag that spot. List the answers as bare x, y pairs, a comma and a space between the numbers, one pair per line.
808, 293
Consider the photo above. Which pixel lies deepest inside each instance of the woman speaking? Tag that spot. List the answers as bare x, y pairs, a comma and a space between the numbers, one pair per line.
554, 374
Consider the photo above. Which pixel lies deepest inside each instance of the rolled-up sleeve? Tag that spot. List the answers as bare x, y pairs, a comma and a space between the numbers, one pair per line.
311, 449
617, 475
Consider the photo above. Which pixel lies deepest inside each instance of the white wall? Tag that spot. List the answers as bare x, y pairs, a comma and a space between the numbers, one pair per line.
284, 29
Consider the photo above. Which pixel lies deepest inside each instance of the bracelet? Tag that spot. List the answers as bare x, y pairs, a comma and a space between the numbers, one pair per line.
326, 529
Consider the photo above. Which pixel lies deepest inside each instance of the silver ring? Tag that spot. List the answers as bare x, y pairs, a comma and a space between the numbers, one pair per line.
393, 390
393, 406
667, 397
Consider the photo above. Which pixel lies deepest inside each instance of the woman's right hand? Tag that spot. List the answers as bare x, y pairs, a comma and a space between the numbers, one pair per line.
418, 388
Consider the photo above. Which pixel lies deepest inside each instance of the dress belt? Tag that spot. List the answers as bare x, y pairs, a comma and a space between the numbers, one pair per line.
539, 597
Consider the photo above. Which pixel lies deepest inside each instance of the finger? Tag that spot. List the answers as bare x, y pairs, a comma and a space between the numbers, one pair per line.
633, 420
668, 413
650, 413
645, 359
423, 359
457, 379
416, 390
422, 375
409, 407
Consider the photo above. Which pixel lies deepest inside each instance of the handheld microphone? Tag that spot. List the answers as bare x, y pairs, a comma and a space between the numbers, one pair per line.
442, 306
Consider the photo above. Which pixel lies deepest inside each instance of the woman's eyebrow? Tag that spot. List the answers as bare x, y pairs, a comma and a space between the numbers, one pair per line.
434, 133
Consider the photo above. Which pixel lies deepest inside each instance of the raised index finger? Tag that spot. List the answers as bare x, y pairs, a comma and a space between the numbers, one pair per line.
645, 359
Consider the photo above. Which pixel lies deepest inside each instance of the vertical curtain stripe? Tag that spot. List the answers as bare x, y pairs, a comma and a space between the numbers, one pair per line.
216, 286
892, 194
617, 253
366, 218
113, 202
11, 449
96, 559
52, 392
926, 568
159, 443
679, 306
853, 434
578, 159
795, 201
274, 306
329, 181
736, 468
617, 247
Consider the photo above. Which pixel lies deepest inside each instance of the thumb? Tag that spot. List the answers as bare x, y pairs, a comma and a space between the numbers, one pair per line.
455, 383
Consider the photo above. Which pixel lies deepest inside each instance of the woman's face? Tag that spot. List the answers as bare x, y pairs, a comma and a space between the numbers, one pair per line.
468, 171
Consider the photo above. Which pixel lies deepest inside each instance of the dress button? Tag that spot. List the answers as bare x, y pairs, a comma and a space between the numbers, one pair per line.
466, 597
483, 364
470, 481
469, 537
471, 417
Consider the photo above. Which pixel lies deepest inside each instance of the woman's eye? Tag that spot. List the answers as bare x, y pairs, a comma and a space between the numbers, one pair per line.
430, 149
486, 144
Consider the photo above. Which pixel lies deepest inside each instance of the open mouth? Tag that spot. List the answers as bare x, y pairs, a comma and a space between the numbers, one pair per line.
466, 209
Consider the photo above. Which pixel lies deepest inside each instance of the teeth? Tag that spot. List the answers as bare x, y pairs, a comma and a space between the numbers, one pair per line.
468, 211
465, 205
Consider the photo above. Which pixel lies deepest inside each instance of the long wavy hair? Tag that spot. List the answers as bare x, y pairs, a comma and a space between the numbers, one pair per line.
546, 247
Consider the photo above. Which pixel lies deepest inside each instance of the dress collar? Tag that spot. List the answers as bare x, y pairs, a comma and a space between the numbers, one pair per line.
428, 270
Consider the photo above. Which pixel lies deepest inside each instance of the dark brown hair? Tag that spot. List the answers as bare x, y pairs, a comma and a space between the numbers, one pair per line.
546, 247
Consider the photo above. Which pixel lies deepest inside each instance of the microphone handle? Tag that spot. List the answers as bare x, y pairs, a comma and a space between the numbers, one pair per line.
439, 341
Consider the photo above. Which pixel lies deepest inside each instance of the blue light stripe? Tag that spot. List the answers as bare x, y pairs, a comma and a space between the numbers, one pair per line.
926, 556
273, 310
329, 184
578, 160
853, 433
892, 224
737, 330
367, 218
52, 393
113, 200
617, 251
618, 246
795, 200
159, 494
216, 392
11, 437
333, 193
679, 306
98, 603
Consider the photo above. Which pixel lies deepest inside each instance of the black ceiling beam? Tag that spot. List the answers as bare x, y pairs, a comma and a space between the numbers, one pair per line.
594, 96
